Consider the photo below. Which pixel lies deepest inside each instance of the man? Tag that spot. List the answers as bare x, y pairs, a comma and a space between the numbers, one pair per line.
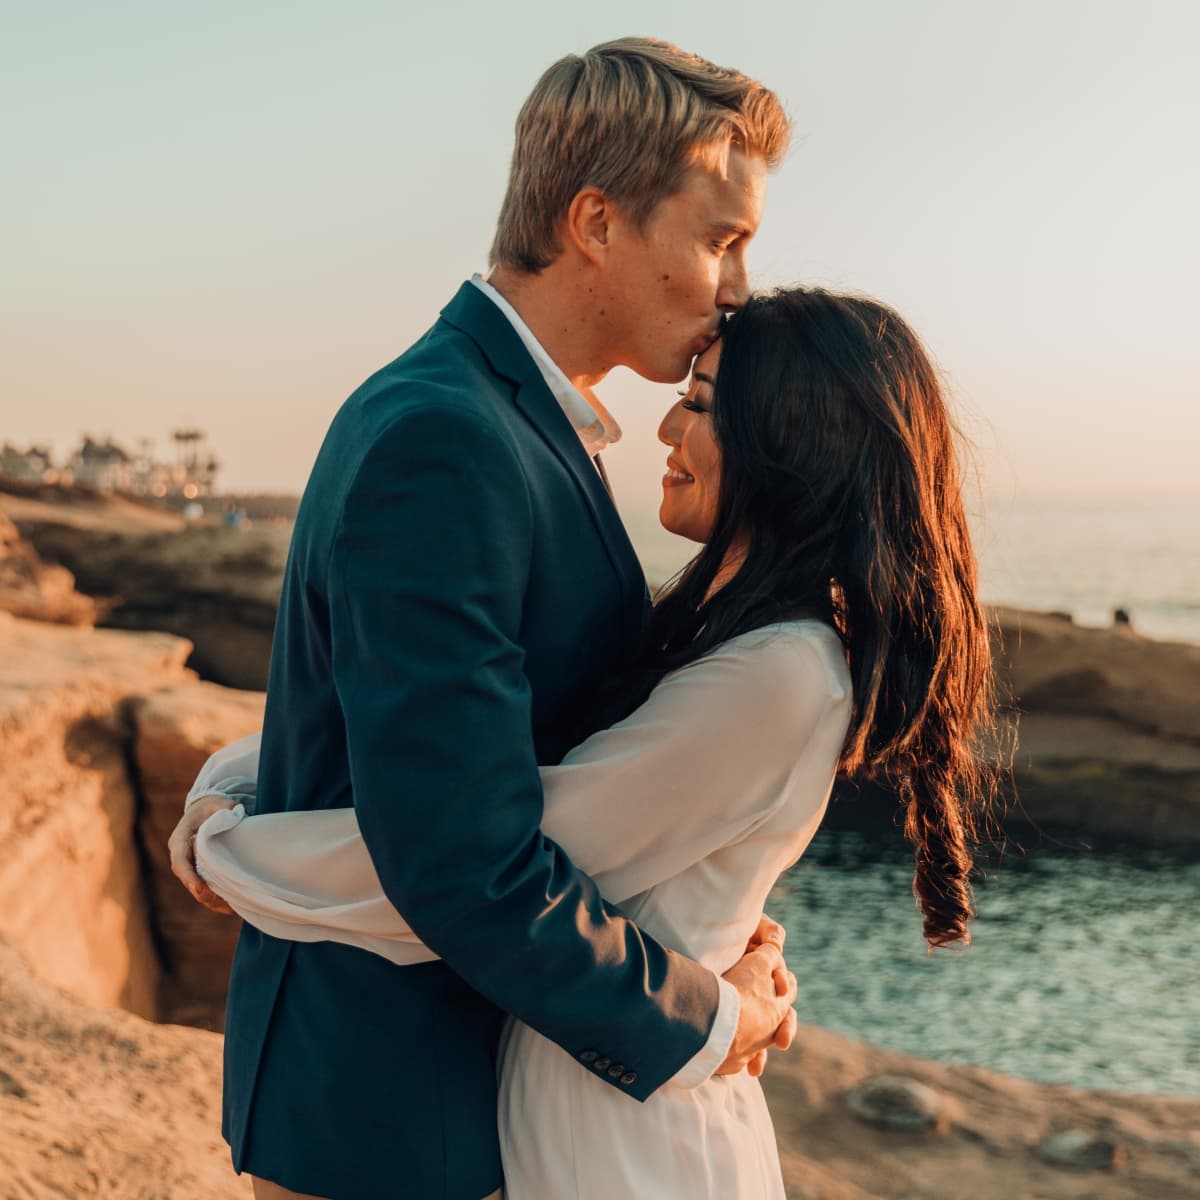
459, 584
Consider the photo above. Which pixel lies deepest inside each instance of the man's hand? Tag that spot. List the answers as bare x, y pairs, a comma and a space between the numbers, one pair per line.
768, 990
182, 845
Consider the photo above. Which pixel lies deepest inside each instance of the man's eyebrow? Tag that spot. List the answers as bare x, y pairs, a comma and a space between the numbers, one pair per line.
736, 228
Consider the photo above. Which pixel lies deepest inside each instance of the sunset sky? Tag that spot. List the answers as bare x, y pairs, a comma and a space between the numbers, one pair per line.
228, 214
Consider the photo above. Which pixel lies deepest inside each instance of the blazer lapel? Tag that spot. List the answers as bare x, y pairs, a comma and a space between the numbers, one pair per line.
474, 314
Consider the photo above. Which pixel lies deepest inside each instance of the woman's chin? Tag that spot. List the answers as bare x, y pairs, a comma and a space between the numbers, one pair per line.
678, 528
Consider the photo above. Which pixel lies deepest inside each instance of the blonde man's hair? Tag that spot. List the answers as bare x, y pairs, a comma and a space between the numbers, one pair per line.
628, 117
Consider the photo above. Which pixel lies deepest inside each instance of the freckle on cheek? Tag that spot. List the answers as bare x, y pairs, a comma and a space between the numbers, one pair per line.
665, 278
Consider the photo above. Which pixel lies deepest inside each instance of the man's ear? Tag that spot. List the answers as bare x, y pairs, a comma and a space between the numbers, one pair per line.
587, 224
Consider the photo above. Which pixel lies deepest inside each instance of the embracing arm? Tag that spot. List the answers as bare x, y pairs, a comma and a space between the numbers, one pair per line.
697, 767
426, 588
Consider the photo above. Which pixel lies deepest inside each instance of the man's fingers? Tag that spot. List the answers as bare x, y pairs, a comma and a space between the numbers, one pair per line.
769, 933
786, 1033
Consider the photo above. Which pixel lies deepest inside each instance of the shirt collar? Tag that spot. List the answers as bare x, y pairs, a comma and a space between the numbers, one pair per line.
596, 429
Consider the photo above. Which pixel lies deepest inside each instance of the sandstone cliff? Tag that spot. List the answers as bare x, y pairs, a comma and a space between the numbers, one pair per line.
101, 733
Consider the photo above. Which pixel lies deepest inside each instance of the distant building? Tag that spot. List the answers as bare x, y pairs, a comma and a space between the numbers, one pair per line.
26, 466
106, 466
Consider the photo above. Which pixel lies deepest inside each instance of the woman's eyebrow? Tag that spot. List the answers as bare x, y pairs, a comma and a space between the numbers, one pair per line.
700, 377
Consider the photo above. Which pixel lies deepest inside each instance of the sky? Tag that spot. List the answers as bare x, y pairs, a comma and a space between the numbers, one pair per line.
226, 215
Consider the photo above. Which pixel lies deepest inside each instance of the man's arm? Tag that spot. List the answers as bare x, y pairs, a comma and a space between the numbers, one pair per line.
426, 586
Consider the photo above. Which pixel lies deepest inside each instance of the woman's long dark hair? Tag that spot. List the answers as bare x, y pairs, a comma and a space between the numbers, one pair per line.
840, 481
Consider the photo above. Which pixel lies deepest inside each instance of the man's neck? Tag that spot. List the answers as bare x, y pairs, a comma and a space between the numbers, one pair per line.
558, 323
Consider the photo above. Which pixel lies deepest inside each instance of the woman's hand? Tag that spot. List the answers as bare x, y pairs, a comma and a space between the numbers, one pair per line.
182, 846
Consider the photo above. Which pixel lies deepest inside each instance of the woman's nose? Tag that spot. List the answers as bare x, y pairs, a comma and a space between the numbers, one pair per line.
668, 429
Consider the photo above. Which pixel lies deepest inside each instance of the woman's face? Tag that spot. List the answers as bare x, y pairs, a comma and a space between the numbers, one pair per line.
693, 479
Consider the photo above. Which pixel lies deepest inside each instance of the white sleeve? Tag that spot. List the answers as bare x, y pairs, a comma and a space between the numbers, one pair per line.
232, 771
709, 756
697, 767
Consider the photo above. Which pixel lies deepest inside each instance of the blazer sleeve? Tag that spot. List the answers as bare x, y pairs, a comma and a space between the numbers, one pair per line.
426, 581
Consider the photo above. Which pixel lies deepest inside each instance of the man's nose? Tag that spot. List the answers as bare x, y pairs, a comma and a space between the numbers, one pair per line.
734, 289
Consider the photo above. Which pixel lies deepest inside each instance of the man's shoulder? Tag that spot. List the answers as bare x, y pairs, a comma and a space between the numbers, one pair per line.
444, 372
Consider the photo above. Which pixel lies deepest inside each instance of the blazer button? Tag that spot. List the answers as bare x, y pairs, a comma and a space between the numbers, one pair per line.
589, 1056
630, 1077
602, 1064
616, 1071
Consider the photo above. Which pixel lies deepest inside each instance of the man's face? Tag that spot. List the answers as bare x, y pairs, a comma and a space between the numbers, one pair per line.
668, 286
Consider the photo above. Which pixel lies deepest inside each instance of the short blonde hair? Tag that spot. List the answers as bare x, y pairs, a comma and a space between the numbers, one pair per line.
628, 117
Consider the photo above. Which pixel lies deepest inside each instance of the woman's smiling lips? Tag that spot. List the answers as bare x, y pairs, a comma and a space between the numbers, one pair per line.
676, 476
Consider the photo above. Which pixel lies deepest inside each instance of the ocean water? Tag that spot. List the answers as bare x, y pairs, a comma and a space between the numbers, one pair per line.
1082, 556
1082, 968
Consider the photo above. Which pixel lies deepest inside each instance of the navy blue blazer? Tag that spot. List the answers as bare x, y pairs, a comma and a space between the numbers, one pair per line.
458, 584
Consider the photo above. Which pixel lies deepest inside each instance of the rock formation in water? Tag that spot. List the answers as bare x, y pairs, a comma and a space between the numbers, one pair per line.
1109, 729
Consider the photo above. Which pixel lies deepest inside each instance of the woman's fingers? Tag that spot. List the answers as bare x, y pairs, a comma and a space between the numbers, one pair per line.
181, 846
758, 1064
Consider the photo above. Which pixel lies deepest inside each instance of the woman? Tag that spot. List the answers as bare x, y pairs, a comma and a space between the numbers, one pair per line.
830, 621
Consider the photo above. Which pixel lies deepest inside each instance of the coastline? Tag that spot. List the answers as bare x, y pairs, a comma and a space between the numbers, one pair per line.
108, 961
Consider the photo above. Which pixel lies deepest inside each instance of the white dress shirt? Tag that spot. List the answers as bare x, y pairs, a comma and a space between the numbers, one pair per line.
596, 426
685, 814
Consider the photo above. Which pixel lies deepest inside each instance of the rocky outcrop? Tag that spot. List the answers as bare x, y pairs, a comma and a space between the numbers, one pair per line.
101, 735
216, 586
175, 729
1107, 735
857, 1122
38, 590
72, 895
1109, 729
95, 1102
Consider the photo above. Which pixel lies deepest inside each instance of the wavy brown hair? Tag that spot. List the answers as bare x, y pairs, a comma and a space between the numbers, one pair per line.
840, 483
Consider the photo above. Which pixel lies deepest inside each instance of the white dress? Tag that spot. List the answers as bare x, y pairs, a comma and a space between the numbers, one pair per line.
685, 814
